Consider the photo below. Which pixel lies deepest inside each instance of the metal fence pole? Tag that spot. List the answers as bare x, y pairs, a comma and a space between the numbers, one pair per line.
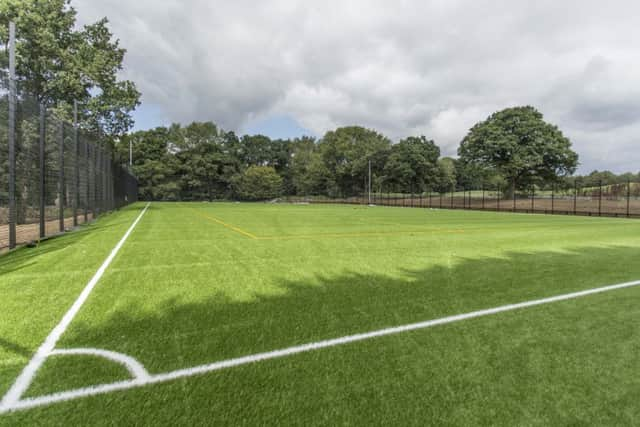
533, 198
628, 196
61, 189
600, 198
483, 195
76, 169
91, 198
498, 198
42, 167
12, 135
514, 195
106, 182
86, 181
553, 198
575, 197
98, 156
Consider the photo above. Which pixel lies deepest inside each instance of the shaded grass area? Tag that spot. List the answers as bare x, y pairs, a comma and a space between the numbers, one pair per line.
184, 291
570, 363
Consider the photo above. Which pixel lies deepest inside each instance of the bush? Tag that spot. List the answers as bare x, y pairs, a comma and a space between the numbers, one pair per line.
259, 183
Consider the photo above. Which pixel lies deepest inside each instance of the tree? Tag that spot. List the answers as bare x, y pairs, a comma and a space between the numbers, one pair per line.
260, 183
58, 63
446, 175
519, 145
346, 153
412, 165
207, 161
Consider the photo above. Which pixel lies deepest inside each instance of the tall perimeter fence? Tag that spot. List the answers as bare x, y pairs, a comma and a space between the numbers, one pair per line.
602, 199
53, 175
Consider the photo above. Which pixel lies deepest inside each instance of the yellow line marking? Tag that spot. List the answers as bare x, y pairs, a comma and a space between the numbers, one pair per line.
339, 235
320, 235
229, 226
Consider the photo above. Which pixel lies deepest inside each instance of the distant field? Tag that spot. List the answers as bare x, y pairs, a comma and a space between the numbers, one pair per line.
199, 283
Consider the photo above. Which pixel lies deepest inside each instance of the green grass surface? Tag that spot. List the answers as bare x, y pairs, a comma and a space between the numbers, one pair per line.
201, 282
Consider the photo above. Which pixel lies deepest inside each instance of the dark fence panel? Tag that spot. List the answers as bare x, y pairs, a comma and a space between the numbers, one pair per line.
610, 200
63, 176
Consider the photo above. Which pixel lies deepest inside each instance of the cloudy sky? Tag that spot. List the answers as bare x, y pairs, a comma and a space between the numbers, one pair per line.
286, 68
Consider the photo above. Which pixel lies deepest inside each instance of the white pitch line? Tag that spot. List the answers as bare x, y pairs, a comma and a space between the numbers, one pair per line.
26, 376
134, 367
224, 364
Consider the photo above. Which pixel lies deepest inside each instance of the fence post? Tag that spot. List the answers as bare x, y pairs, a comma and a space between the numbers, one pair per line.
91, 181
575, 197
96, 180
86, 181
42, 166
12, 135
76, 168
452, 191
533, 198
498, 198
440, 193
514, 195
483, 196
108, 181
430, 199
61, 189
553, 198
628, 196
600, 198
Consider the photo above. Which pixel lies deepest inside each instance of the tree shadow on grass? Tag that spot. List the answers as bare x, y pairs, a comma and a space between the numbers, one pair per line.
490, 373
178, 335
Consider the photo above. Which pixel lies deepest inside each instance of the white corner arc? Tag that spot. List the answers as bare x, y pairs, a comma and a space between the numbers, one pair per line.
25, 378
134, 367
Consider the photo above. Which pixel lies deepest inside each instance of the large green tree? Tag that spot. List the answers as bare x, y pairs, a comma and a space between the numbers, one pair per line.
519, 145
208, 165
412, 165
346, 153
259, 183
59, 63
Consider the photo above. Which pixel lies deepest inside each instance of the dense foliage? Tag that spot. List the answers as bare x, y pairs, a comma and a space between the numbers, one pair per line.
520, 146
202, 162
58, 63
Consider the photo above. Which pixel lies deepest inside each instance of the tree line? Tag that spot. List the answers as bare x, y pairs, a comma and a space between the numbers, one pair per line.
514, 149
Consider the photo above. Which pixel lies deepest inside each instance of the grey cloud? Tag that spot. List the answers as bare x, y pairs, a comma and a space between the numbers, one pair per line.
404, 67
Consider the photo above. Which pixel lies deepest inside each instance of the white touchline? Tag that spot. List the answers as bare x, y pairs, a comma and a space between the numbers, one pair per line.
196, 370
26, 376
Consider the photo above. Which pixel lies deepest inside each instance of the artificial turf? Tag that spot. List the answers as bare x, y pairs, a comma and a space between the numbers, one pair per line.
201, 282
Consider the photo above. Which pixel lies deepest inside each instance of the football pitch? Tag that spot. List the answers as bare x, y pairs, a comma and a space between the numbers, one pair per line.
245, 314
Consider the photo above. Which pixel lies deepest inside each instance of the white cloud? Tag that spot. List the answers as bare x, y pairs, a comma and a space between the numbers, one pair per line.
403, 67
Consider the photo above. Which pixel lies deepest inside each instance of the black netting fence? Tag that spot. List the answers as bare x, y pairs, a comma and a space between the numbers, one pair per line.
53, 175
600, 199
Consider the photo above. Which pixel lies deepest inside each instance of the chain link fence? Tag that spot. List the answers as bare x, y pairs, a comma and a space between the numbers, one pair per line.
53, 175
